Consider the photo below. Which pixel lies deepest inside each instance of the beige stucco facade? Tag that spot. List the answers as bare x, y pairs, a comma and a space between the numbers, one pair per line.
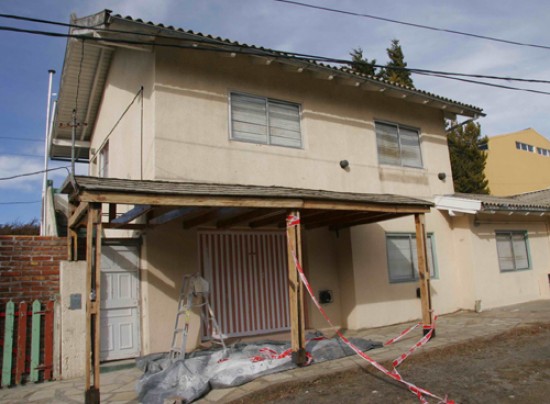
178, 129
513, 171
476, 252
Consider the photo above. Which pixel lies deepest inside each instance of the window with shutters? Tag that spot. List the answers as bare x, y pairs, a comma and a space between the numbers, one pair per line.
265, 121
398, 145
403, 257
512, 250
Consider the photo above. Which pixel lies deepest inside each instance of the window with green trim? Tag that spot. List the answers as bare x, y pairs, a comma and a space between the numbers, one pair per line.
512, 250
403, 258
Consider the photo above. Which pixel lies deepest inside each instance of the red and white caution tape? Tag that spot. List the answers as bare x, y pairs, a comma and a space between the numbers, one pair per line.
418, 391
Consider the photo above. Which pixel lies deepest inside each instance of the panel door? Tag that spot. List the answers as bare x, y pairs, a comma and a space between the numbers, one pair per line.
120, 326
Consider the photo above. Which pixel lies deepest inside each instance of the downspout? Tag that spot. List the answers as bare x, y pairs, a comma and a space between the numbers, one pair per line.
43, 223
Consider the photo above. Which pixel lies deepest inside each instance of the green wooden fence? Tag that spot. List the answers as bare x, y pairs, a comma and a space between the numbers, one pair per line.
17, 365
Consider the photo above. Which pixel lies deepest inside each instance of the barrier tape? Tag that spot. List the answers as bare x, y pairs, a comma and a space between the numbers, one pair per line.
394, 374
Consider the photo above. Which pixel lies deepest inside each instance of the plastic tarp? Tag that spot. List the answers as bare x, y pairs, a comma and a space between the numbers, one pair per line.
190, 378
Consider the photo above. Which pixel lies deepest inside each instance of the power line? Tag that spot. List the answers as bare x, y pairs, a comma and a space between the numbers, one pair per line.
414, 25
263, 52
20, 155
23, 139
247, 50
19, 202
34, 173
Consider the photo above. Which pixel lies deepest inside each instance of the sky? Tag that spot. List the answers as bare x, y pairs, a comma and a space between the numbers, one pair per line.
27, 58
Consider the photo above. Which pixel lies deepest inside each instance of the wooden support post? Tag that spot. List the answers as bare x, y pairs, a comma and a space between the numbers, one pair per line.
93, 257
295, 295
423, 271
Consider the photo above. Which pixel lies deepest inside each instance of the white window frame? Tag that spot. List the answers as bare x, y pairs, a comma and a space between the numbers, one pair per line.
103, 161
432, 259
399, 144
509, 234
269, 127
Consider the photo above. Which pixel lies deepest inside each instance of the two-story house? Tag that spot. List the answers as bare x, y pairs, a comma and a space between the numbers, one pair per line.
200, 147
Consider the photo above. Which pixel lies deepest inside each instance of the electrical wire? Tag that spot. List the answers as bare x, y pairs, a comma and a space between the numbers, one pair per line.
19, 202
20, 155
23, 139
216, 41
35, 173
414, 25
254, 51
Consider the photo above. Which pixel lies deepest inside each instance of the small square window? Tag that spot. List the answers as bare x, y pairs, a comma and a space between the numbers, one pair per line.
403, 258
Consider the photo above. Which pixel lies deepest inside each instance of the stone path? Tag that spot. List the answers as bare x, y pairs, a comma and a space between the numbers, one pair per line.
119, 386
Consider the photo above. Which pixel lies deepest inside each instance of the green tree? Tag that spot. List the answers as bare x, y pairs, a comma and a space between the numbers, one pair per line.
362, 65
468, 158
394, 71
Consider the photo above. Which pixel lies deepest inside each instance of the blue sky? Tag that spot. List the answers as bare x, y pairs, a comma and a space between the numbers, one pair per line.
27, 58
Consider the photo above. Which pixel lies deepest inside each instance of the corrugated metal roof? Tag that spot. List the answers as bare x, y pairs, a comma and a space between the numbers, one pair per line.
522, 202
86, 67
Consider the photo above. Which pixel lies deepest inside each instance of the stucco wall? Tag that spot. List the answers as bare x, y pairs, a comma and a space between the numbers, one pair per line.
168, 253
511, 171
192, 130
381, 302
495, 288
128, 126
73, 320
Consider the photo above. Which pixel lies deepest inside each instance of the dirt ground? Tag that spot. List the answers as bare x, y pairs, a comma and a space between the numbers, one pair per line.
513, 367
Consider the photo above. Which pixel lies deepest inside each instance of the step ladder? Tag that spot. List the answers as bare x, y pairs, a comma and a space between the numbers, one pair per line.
194, 293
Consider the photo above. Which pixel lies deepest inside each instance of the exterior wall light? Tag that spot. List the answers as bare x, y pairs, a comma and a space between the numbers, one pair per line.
344, 164
442, 176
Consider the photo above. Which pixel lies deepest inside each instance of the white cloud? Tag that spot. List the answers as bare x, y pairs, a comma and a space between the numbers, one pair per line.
12, 166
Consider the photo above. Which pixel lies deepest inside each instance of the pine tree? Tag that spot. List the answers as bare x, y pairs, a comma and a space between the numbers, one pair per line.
468, 159
362, 65
394, 72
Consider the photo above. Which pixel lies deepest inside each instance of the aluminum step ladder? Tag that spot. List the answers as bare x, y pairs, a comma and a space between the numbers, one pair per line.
194, 293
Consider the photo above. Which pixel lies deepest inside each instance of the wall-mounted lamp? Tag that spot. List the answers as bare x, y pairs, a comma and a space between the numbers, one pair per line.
344, 164
442, 176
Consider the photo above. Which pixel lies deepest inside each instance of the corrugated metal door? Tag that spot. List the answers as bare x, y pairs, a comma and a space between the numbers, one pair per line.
247, 272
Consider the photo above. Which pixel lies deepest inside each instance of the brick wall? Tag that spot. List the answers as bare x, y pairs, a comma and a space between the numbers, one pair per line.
29, 267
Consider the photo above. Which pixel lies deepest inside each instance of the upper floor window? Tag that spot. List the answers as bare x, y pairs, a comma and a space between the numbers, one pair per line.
543, 152
398, 145
525, 146
512, 250
265, 121
403, 257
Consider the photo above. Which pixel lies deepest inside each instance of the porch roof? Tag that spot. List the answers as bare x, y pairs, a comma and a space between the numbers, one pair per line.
232, 205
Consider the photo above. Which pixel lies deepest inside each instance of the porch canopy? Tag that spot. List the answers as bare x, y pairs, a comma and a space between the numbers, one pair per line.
138, 204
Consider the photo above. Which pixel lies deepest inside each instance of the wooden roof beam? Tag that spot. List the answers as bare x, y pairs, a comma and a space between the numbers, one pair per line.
171, 215
273, 217
242, 218
334, 218
78, 216
368, 220
134, 213
204, 217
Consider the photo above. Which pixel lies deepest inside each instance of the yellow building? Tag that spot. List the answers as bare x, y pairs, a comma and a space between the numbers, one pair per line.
518, 162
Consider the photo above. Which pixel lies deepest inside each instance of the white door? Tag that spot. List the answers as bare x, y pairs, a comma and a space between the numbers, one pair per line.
120, 327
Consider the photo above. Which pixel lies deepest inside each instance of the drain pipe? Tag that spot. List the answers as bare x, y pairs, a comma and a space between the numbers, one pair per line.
43, 223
